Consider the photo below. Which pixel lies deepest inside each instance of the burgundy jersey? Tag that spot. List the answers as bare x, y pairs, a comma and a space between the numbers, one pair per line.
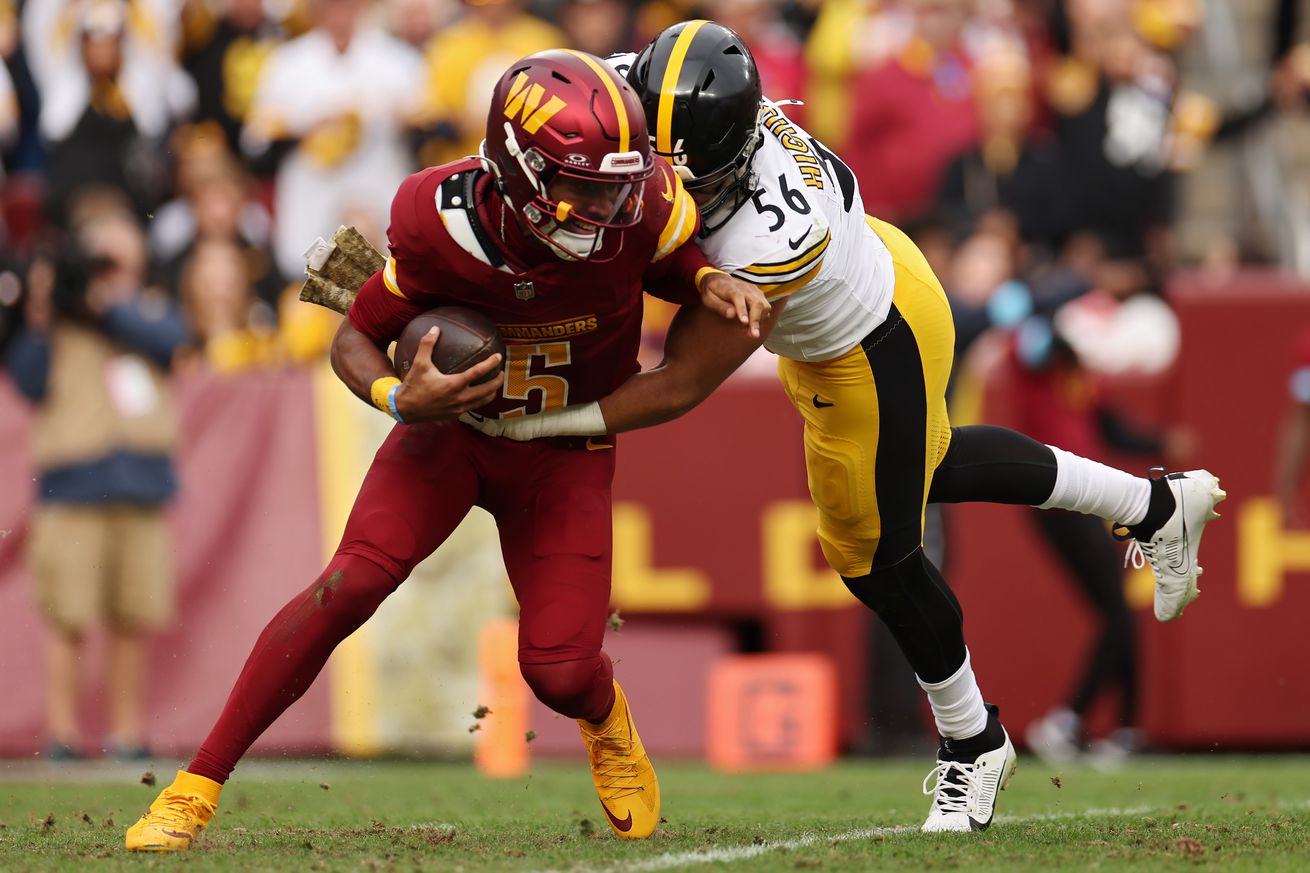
572, 328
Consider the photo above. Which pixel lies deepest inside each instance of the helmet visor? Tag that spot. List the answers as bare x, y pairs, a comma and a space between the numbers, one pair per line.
586, 203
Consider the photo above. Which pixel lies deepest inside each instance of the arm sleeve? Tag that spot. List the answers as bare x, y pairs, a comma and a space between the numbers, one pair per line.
153, 328
28, 361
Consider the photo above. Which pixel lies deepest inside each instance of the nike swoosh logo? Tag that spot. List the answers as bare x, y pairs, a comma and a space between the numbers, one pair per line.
798, 242
820, 404
623, 825
667, 193
593, 446
1184, 563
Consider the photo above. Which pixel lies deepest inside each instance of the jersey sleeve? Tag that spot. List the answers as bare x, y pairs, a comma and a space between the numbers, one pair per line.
675, 213
405, 286
677, 261
411, 273
785, 260
379, 314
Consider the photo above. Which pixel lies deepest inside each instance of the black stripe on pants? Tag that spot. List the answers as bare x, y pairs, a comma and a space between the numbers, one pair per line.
903, 587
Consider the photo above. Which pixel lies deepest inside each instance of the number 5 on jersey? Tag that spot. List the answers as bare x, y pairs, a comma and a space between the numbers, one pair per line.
524, 373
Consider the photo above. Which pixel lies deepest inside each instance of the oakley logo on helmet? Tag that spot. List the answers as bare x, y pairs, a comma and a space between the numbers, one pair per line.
577, 160
527, 99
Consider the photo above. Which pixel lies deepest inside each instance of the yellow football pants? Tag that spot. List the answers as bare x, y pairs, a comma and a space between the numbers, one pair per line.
875, 420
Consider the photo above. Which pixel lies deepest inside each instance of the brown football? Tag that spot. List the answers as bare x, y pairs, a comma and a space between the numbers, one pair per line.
467, 338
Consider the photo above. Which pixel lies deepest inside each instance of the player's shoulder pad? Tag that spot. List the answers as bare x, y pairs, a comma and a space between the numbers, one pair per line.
671, 214
415, 223
417, 230
779, 249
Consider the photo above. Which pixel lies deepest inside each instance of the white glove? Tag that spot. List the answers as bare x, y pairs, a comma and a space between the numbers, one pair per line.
584, 420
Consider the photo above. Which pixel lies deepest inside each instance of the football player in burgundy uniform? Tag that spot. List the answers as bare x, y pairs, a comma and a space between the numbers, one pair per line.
553, 232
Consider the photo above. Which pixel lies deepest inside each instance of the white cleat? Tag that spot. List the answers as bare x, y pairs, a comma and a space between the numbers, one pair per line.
1172, 551
964, 793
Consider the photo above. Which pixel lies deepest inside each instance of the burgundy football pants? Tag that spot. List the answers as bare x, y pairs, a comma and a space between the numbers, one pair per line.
551, 502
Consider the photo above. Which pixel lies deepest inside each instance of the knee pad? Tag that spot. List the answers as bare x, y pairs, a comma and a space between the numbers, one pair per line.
583, 688
920, 610
890, 590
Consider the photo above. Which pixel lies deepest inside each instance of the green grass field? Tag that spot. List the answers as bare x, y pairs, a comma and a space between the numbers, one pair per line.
1211, 812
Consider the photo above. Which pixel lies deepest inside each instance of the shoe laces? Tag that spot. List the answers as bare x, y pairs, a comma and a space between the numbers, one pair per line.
952, 786
614, 765
185, 810
1165, 552
1135, 555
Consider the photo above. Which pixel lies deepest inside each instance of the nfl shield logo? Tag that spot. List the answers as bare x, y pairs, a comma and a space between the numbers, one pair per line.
524, 290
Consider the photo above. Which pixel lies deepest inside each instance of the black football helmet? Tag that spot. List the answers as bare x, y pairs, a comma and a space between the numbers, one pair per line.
701, 92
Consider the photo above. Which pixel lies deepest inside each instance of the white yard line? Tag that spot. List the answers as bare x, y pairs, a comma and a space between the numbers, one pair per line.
740, 853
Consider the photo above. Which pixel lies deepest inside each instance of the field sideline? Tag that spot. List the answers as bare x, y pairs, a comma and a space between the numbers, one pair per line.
1208, 812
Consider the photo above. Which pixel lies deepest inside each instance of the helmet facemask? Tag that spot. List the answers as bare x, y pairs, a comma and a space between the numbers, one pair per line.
720, 193
700, 89
573, 206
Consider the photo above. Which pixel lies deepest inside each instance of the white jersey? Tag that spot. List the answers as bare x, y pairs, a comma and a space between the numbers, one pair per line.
803, 236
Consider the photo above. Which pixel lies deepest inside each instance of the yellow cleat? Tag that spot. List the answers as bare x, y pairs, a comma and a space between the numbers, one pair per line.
178, 815
624, 779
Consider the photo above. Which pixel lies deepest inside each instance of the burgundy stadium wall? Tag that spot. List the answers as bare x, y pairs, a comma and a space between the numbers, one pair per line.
713, 529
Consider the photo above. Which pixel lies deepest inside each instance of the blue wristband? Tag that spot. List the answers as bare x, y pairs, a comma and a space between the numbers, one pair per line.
391, 403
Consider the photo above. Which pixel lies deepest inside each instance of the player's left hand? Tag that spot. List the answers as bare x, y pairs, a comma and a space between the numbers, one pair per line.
733, 298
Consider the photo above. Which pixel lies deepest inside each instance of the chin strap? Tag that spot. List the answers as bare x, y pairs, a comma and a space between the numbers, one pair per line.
573, 246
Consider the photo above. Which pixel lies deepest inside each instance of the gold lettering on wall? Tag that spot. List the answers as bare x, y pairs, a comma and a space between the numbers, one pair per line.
791, 578
638, 584
1266, 552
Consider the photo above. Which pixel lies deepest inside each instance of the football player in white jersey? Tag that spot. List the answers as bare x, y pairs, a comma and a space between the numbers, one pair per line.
864, 337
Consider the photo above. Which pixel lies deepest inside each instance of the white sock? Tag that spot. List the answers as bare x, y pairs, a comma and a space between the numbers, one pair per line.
957, 703
1083, 485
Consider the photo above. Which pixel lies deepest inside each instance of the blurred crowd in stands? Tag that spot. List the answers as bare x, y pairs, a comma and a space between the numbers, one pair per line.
1028, 139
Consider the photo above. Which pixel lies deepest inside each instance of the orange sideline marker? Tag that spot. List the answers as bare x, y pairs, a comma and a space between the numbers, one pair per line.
501, 747
772, 712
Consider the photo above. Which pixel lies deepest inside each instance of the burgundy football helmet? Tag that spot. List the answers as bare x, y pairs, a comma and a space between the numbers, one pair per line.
566, 139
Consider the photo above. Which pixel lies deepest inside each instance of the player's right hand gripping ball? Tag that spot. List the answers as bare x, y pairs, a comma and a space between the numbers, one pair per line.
467, 338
